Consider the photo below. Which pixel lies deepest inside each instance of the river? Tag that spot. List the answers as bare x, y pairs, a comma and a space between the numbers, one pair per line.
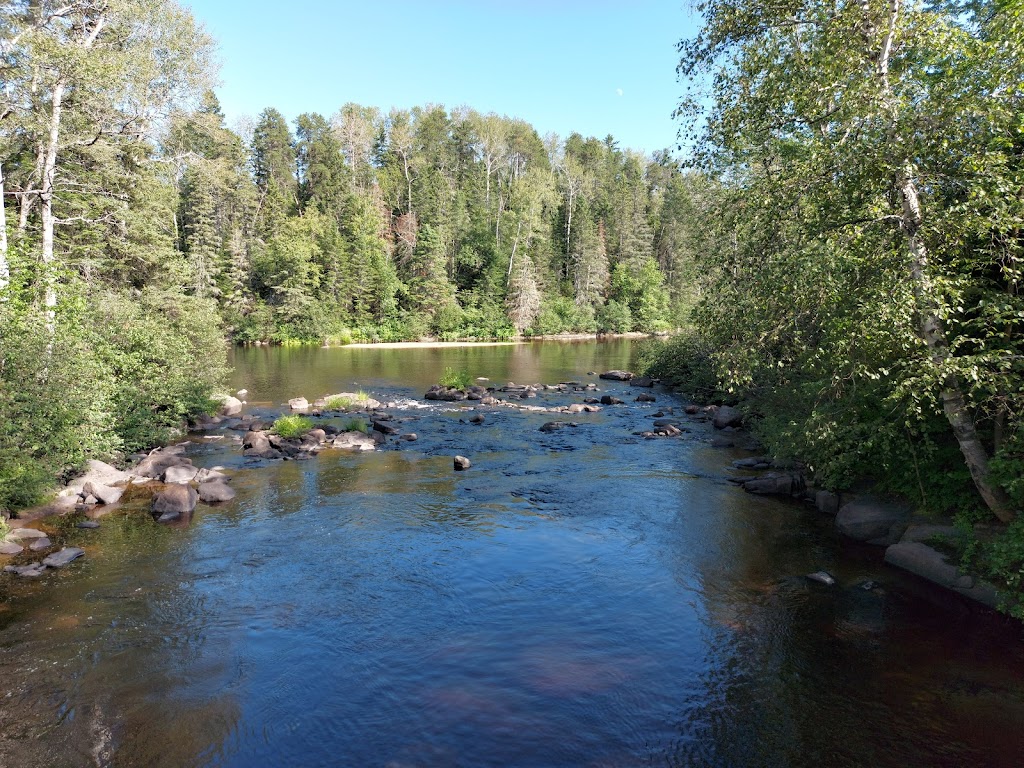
580, 598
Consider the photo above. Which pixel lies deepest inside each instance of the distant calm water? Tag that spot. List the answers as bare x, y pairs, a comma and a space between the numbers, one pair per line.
579, 598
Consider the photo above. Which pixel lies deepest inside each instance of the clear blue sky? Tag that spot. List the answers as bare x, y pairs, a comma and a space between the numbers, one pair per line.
591, 66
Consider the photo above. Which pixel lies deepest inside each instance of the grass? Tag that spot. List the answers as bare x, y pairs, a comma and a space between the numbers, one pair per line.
356, 425
292, 426
454, 379
339, 403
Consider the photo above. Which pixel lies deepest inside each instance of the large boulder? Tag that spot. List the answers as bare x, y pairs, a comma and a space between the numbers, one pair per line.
184, 473
354, 441
298, 404
174, 501
641, 381
874, 520
776, 484
158, 462
216, 490
99, 472
727, 416
103, 493
230, 406
920, 559
256, 443
24, 534
10, 548
617, 375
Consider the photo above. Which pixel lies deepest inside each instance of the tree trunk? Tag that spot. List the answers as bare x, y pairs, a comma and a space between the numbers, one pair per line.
954, 404
5, 268
47, 217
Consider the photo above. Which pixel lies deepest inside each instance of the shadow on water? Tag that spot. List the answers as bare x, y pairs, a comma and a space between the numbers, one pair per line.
578, 598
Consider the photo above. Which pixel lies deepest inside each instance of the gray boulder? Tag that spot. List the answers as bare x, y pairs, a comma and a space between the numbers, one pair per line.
62, 558
214, 491
206, 475
174, 500
611, 400
827, 502
920, 559
645, 397
184, 473
10, 548
641, 381
616, 375
230, 406
298, 404
727, 416
776, 484
30, 571
256, 442
461, 463
103, 493
354, 441
876, 521
158, 462
38, 544
23, 534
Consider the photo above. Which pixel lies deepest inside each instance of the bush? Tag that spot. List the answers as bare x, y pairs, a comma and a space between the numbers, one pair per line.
614, 317
355, 425
685, 361
292, 426
455, 379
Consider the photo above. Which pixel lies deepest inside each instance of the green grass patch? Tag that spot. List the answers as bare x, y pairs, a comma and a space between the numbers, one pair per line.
455, 379
292, 426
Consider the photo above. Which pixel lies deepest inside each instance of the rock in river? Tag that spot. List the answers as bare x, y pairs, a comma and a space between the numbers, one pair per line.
175, 500
216, 490
617, 375
10, 548
62, 558
462, 463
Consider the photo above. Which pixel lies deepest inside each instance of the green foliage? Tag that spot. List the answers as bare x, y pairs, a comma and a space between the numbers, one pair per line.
614, 317
1001, 561
292, 426
685, 362
355, 425
338, 403
455, 379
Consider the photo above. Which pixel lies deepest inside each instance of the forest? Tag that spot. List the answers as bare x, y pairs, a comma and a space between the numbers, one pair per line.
841, 253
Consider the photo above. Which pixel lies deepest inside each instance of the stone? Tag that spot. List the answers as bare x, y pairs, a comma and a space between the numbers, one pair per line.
921, 560
10, 548
382, 427
298, 404
87, 524
776, 484
103, 493
877, 521
611, 400
822, 577
102, 473
477, 419
411, 437
753, 462
242, 392
727, 416
354, 441
175, 500
180, 474
23, 534
205, 475
158, 462
644, 397
216, 490
257, 441
641, 381
827, 502
554, 426
616, 375
462, 463
692, 410
62, 558
576, 408
27, 571
230, 406
38, 544
722, 441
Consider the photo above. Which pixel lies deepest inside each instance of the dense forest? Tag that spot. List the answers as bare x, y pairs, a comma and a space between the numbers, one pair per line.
140, 231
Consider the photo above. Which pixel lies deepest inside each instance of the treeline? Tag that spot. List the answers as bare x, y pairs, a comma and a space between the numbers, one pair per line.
423, 222
137, 231
864, 248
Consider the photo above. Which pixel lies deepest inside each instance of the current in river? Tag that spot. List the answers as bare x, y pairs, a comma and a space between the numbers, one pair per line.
582, 597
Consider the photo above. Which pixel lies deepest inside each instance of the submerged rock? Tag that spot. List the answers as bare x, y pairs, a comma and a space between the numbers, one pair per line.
183, 473
822, 577
38, 544
62, 558
30, 571
22, 534
216, 490
776, 484
930, 564
10, 548
354, 441
87, 524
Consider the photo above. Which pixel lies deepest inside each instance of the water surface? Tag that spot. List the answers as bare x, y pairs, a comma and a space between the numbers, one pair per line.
579, 598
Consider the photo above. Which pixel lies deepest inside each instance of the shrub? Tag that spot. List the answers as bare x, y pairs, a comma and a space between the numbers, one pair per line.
455, 379
685, 361
355, 425
292, 426
338, 403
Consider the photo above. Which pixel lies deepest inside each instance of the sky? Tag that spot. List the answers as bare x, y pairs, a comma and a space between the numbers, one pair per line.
596, 67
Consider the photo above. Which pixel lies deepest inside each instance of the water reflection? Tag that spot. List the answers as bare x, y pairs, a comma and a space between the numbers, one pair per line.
585, 598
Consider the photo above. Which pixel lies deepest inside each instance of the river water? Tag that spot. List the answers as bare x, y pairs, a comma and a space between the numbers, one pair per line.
580, 598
